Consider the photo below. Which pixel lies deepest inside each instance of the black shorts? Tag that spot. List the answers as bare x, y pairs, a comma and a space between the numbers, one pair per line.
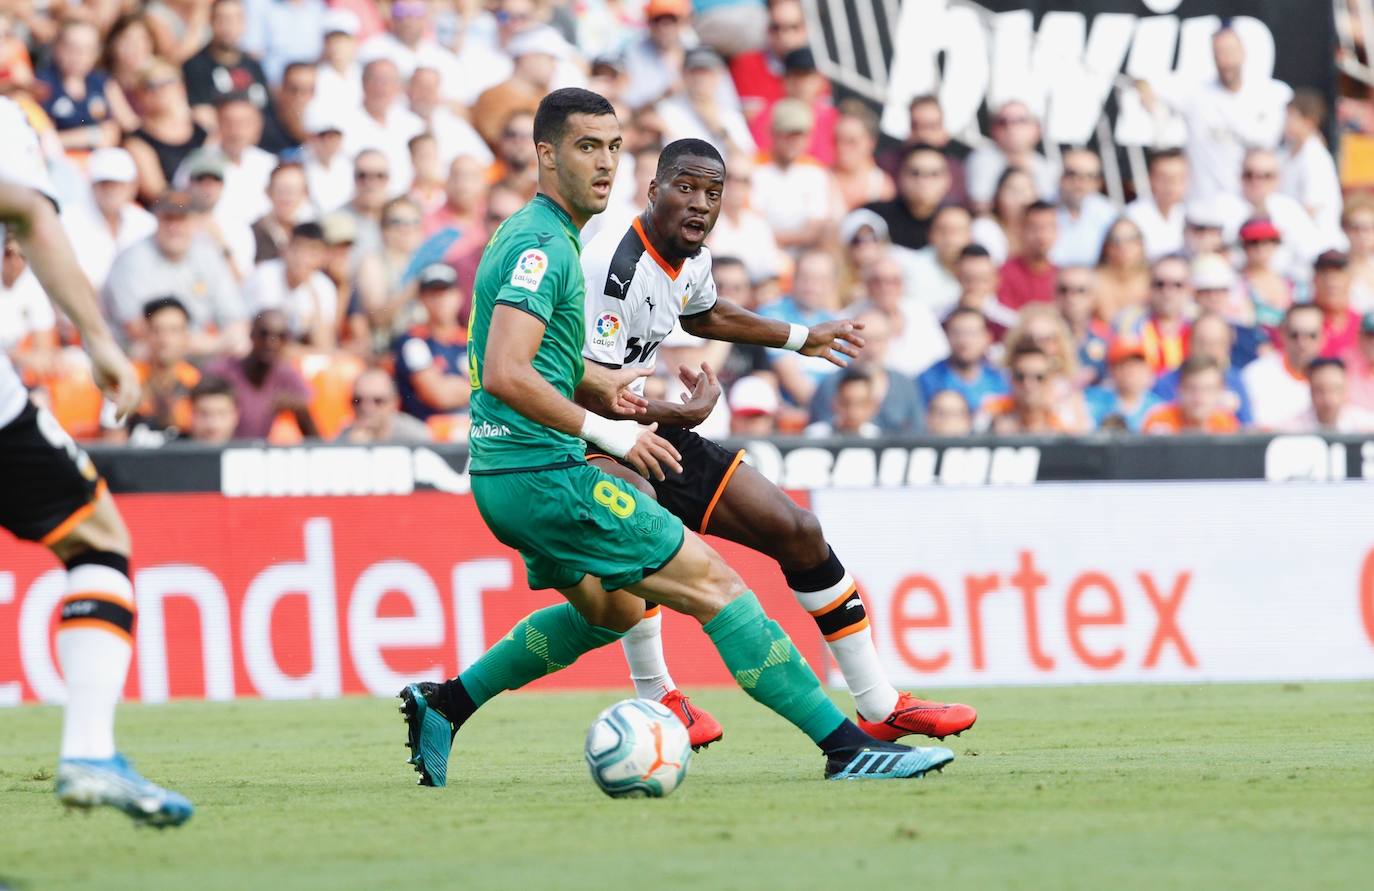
49, 485
691, 496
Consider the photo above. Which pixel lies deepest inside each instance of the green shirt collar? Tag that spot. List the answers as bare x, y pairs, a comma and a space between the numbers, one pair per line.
562, 215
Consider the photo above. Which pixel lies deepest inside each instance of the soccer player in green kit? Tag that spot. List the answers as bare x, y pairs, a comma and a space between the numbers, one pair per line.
602, 544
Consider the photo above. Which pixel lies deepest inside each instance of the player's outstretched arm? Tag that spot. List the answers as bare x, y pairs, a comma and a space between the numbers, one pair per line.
50, 256
728, 322
508, 374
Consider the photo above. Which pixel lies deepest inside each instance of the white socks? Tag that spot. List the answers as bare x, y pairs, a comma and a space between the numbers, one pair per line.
643, 646
94, 645
839, 613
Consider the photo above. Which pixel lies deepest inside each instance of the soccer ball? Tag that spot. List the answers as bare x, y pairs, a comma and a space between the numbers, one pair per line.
637, 748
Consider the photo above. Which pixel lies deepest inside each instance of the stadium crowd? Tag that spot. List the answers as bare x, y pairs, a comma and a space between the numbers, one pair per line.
283, 202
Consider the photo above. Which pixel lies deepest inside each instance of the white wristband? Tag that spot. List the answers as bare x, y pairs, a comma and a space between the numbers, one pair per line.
796, 338
616, 437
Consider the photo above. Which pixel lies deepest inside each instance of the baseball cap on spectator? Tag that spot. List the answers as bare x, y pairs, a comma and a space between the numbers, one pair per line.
322, 117
1205, 215
1331, 260
340, 21
173, 203
539, 39
702, 57
1367, 324
857, 220
339, 227
111, 165
205, 163
799, 61
792, 116
1258, 230
1211, 272
608, 64
1124, 348
678, 9
437, 277
753, 396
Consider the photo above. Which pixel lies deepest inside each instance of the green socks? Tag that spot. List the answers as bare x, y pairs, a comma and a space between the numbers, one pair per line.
539, 644
767, 665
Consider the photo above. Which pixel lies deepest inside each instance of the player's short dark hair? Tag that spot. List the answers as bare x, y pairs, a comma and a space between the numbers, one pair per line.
1166, 154
167, 301
551, 119
1195, 365
1321, 362
312, 231
213, 385
670, 159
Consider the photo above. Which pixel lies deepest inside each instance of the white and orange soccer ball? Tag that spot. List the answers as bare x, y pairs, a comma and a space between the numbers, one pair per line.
637, 748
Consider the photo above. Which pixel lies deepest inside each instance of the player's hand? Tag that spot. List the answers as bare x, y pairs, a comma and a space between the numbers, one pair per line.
703, 391
831, 340
114, 374
652, 455
608, 390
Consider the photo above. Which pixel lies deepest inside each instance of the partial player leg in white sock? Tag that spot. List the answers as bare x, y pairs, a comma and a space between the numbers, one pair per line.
840, 614
94, 645
643, 646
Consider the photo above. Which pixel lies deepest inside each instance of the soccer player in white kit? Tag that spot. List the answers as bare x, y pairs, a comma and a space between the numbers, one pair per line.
51, 493
640, 282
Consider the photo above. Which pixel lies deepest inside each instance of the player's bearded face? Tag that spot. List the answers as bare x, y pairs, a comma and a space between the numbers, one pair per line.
587, 160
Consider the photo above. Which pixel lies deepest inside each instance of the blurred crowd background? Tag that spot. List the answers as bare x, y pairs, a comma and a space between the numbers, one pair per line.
282, 204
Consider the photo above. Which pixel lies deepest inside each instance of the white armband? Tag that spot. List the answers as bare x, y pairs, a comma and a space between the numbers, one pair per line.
616, 437
796, 337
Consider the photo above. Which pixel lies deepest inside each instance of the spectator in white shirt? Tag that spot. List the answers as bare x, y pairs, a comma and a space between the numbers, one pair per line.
931, 279
1331, 411
741, 231
1015, 135
917, 340
1224, 117
1084, 212
111, 221
328, 171
452, 135
206, 173
246, 167
407, 44
797, 196
1309, 172
339, 76
1159, 213
697, 112
1301, 240
1277, 381
296, 284
383, 123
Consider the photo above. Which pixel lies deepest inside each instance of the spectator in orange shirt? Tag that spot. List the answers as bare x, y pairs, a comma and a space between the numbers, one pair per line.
1162, 330
1030, 407
1199, 406
166, 376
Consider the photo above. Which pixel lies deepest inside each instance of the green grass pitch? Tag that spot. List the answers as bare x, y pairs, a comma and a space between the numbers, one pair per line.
1261, 786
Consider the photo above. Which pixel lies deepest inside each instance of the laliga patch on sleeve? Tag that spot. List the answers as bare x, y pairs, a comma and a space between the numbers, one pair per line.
530, 269
604, 330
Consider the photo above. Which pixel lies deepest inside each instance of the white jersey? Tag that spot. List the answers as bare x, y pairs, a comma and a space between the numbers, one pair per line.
22, 164
634, 297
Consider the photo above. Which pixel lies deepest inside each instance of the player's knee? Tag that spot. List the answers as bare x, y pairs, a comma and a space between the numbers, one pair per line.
803, 542
617, 610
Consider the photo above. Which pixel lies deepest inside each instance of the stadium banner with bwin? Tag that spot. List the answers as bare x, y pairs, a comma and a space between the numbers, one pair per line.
1115, 582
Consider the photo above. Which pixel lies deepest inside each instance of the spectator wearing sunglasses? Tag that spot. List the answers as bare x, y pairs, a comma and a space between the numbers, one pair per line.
1162, 328
1277, 382
264, 383
1015, 135
1030, 408
377, 417
1085, 214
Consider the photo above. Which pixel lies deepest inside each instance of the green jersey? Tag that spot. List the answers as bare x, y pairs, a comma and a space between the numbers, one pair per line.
531, 263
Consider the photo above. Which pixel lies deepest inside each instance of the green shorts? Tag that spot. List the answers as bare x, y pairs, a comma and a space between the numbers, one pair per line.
568, 522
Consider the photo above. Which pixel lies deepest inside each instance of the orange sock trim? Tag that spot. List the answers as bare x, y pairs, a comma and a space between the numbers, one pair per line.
845, 632
653, 611
836, 603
